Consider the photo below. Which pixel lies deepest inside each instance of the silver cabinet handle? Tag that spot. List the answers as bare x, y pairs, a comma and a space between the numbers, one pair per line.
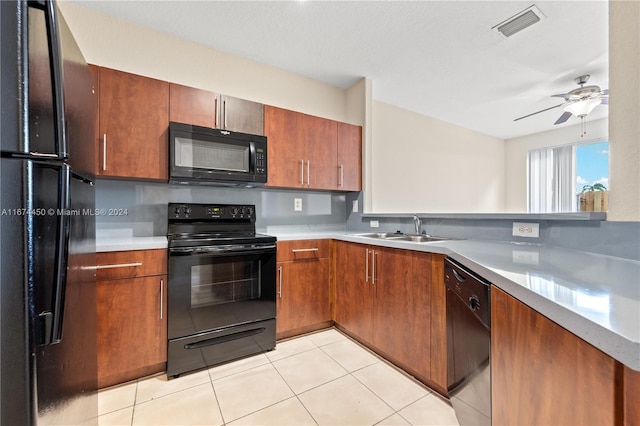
304, 250
373, 266
341, 175
302, 172
119, 265
280, 281
224, 112
161, 297
366, 267
216, 116
308, 172
104, 151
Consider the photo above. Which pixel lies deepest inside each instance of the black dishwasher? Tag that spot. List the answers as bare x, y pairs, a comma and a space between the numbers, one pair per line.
468, 344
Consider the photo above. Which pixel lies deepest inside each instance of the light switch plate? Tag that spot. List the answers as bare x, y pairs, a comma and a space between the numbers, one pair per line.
355, 206
374, 224
297, 204
525, 229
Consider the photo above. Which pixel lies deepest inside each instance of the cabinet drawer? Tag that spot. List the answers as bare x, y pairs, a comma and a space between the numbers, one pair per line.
302, 250
129, 264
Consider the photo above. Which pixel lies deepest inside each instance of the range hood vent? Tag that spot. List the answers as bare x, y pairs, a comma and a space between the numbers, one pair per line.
519, 21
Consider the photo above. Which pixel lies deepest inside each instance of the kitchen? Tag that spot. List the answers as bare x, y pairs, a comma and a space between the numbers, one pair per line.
322, 212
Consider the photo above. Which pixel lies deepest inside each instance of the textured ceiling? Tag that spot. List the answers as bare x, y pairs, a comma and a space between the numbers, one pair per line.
438, 58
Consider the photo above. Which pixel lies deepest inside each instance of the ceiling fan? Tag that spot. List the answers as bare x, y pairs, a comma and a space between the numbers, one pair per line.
579, 102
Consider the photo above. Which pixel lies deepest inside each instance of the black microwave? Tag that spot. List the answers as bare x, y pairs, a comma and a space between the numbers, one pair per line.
201, 155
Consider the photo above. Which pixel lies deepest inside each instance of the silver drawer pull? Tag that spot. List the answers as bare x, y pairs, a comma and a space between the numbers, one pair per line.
304, 250
119, 265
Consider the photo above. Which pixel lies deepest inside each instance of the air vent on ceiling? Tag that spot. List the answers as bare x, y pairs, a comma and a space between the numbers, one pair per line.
519, 21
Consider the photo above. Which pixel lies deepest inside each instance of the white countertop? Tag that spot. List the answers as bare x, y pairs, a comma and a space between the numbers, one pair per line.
596, 297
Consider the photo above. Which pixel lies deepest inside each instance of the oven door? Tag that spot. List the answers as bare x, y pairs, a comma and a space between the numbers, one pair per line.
222, 306
211, 291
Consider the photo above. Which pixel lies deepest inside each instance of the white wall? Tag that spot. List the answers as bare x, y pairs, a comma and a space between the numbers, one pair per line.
118, 44
424, 165
624, 110
516, 151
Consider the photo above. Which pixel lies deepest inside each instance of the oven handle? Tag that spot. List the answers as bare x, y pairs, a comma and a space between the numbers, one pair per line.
221, 251
224, 339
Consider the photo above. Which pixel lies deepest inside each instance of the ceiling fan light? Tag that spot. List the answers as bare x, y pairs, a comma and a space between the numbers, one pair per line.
582, 108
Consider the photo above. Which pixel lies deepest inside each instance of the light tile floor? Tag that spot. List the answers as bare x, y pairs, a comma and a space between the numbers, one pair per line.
323, 378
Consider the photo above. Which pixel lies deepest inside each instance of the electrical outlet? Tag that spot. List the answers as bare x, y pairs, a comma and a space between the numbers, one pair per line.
297, 204
524, 229
355, 206
374, 224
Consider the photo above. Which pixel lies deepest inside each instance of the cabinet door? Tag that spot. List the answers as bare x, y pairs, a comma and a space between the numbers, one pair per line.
354, 303
285, 147
132, 328
134, 122
438, 304
402, 313
241, 115
303, 298
192, 106
321, 167
349, 157
95, 71
541, 374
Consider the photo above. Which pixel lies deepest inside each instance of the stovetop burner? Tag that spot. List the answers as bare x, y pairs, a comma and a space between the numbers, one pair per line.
196, 225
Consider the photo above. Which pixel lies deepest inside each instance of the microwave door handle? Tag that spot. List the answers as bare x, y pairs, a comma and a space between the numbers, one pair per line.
252, 157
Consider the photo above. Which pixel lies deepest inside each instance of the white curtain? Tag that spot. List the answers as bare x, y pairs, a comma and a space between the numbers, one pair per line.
564, 179
552, 180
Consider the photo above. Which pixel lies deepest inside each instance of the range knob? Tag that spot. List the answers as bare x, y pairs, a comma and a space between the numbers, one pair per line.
234, 211
249, 211
176, 211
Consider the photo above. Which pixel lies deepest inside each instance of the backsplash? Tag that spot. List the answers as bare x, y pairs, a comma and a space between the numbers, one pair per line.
145, 204
141, 207
621, 239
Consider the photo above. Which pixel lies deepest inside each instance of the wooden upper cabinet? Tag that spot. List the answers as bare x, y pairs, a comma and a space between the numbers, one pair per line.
134, 122
240, 115
95, 71
285, 147
304, 151
192, 106
322, 151
349, 157
541, 374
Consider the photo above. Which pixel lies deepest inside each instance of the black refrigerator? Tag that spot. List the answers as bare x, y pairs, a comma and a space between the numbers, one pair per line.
47, 231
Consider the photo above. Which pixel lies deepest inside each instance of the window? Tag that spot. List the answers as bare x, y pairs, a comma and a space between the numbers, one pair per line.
558, 174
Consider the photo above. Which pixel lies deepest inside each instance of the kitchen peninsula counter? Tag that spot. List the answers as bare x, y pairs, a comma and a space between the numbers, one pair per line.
596, 297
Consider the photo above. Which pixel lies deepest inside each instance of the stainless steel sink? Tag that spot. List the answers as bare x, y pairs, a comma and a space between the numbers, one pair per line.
383, 235
397, 236
421, 238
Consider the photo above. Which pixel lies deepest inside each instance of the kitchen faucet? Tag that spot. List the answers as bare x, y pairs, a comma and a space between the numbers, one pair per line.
417, 223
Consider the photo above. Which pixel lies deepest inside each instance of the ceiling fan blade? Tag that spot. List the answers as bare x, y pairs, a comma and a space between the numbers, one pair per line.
538, 112
564, 117
560, 95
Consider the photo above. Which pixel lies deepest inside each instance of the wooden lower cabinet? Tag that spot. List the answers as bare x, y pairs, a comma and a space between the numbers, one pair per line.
383, 299
402, 313
353, 293
131, 317
541, 374
631, 396
303, 302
